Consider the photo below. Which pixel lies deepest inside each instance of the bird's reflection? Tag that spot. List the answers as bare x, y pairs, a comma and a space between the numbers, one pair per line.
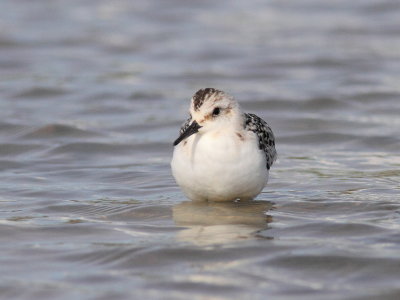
210, 223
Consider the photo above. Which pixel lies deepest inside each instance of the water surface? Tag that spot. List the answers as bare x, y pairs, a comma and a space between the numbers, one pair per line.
92, 94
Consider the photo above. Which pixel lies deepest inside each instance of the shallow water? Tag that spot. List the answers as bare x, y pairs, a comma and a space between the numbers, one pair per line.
92, 94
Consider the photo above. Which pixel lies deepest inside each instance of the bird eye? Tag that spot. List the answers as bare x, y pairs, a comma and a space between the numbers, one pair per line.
216, 111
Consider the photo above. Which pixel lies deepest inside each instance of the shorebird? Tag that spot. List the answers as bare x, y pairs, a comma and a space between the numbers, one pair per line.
222, 154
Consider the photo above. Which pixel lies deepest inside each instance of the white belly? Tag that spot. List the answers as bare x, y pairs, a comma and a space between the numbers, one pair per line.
220, 167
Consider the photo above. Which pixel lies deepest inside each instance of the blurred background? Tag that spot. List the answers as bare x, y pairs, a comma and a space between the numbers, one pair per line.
92, 95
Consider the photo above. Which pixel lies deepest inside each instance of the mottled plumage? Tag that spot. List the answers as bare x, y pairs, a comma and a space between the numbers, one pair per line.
185, 125
266, 139
222, 154
202, 95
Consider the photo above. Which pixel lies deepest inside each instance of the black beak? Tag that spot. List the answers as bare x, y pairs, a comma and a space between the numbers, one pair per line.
192, 129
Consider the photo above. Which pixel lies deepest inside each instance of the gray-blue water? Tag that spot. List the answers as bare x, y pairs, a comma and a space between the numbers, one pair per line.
92, 94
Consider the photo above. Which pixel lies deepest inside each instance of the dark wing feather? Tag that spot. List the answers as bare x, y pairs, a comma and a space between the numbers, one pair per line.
266, 139
185, 125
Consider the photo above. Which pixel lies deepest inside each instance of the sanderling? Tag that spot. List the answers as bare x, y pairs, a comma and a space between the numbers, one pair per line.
222, 154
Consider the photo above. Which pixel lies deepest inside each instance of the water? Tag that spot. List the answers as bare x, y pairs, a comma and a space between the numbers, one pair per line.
92, 94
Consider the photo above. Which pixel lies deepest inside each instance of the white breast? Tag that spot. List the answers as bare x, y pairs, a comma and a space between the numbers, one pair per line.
220, 166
